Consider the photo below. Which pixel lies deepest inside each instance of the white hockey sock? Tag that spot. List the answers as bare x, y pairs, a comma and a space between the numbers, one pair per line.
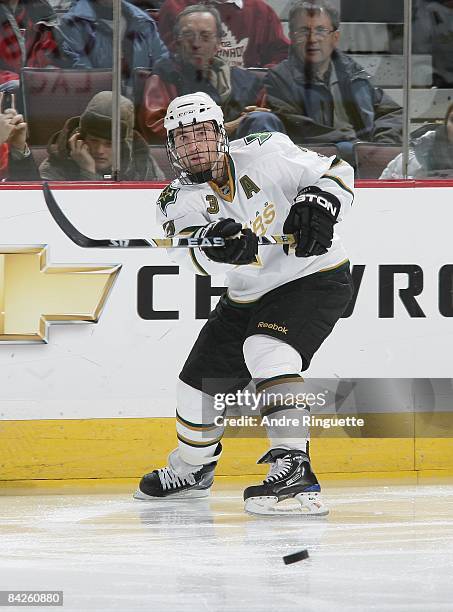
198, 435
276, 366
286, 421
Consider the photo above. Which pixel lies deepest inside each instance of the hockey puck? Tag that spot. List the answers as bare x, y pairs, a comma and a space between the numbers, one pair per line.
298, 556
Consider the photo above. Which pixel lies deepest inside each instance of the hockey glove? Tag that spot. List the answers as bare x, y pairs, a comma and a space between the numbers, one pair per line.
241, 245
311, 220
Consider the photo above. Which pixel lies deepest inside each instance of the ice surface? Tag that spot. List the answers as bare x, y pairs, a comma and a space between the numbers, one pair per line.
381, 548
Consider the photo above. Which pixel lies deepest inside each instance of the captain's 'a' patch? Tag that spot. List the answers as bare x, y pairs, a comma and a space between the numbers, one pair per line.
167, 197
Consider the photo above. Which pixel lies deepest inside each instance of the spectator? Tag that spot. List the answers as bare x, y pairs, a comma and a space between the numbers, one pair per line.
321, 94
195, 67
252, 32
82, 150
28, 37
432, 33
88, 31
16, 162
430, 155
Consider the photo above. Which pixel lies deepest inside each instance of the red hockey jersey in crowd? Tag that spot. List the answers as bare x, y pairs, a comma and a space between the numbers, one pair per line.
26, 38
253, 35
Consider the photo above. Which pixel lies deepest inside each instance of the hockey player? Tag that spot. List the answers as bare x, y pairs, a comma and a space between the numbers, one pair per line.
280, 305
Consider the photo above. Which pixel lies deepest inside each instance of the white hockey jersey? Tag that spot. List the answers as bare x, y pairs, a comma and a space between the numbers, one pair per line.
266, 171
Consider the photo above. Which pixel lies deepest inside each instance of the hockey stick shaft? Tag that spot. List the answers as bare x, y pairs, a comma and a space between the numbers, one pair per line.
154, 243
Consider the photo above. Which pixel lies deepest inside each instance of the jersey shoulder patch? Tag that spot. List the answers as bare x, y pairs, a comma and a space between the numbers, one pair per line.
261, 137
167, 197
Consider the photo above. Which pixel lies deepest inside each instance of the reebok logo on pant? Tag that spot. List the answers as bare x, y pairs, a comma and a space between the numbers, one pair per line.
274, 326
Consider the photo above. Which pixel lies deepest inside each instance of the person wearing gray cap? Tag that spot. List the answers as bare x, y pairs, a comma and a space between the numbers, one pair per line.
82, 150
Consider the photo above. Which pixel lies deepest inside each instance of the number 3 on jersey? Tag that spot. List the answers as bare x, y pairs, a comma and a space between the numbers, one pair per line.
213, 207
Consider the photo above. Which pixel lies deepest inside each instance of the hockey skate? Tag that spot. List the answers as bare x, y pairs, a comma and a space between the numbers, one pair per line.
290, 478
179, 480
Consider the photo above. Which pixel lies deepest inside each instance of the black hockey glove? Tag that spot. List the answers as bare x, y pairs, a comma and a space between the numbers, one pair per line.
240, 250
311, 220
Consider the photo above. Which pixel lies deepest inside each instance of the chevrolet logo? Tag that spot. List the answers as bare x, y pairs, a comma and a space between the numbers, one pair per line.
34, 295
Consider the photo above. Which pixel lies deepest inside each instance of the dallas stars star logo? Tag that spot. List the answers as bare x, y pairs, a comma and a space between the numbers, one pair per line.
167, 197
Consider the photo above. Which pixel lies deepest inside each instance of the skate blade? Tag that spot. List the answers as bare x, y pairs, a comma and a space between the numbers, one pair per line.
303, 504
190, 494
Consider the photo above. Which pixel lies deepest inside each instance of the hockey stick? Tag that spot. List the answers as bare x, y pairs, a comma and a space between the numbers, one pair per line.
127, 243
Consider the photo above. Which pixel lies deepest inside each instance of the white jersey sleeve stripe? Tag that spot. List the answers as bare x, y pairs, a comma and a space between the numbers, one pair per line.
340, 183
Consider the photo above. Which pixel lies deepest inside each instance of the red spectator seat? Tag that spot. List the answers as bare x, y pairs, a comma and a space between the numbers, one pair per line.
139, 80
372, 158
51, 96
159, 153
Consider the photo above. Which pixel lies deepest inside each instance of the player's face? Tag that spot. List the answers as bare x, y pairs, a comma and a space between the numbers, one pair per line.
198, 41
450, 127
196, 147
312, 37
101, 151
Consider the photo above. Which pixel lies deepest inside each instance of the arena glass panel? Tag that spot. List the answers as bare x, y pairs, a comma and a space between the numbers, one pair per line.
51, 95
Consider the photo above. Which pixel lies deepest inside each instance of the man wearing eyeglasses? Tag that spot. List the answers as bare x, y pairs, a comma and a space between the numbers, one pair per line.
196, 67
252, 35
322, 95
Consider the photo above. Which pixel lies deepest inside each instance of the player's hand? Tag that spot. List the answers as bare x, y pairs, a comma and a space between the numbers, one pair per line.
241, 245
311, 220
80, 153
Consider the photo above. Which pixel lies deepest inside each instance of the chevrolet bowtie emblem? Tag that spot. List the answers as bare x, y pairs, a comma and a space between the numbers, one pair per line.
33, 294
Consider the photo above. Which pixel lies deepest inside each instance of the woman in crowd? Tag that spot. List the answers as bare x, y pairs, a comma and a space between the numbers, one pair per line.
430, 155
